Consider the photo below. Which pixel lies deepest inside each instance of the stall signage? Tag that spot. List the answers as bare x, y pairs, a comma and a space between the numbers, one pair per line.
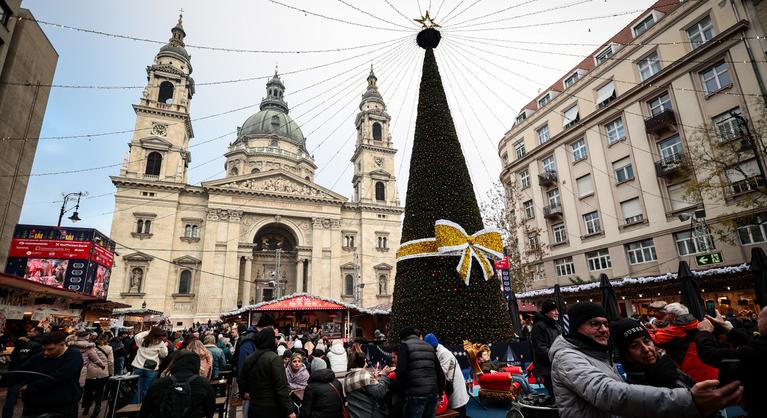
301, 303
707, 259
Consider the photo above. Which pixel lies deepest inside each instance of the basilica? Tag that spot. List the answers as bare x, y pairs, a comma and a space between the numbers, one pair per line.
265, 229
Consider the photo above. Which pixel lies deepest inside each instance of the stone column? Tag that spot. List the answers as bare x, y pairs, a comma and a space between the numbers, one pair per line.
300, 275
231, 260
209, 293
247, 278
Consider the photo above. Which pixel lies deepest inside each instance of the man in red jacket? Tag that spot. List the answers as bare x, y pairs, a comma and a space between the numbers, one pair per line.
678, 339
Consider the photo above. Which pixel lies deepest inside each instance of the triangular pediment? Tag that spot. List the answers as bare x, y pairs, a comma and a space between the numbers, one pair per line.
379, 173
275, 183
155, 142
137, 256
186, 259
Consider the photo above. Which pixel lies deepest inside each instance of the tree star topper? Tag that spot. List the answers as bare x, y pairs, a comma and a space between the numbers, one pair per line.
427, 22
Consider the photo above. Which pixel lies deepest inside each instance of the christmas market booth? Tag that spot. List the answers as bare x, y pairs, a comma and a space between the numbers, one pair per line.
731, 288
98, 313
138, 319
336, 319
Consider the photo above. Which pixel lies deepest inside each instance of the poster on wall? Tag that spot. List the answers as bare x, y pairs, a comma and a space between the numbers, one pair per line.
77, 259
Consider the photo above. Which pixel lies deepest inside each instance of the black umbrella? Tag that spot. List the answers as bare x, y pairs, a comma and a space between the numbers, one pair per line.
759, 271
691, 297
609, 301
560, 302
514, 313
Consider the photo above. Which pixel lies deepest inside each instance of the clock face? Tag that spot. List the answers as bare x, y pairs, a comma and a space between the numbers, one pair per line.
159, 129
379, 161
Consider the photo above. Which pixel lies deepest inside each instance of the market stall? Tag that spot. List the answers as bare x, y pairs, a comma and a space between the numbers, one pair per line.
139, 319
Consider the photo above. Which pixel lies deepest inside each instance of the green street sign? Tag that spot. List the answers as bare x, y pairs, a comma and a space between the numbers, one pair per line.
706, 259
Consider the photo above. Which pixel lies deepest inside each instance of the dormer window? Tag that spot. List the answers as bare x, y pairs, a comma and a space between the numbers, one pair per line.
521, 117
644, 25
569, 81
543, 101
604, 55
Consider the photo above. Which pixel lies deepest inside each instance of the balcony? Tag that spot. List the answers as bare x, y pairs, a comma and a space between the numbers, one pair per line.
547, 178
671, 166
633, 220
552, 211
744, 186
662, 122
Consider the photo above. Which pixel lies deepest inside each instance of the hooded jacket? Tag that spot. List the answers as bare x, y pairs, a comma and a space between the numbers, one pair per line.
545, 331
263, 378
323, 397
587, 385
678, 339
337, 357
184, 367
88, 352
107, 357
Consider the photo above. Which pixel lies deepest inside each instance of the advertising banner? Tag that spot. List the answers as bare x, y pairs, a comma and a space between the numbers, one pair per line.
502, 267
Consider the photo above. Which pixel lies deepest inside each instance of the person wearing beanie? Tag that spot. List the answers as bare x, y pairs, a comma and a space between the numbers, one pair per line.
641, 360
459, 397
545, 330
587, 385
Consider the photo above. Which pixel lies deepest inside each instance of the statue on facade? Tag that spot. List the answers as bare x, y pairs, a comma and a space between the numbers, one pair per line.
135, 280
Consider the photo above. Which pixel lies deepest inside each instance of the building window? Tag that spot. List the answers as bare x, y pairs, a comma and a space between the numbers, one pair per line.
755, 232
380, 191
599, 260
605, 94
377, 131
569, 81
267, 294
549, 164
185, 283
505, 157
623, 170
349, 241
644, 25
256, 170
687, 244
701, 32
745, 177
524, 178
234, 171
648, 66
553, 198
579, 150
670, 151
585, 185
604, 55
191, 231
564, 266
715, 78
382, 243
383, 285
349, 285
519, 149
679, 198
559, 231
615, 131
571, 117
532, 241
543, 101
166, 93
660, 104
641, 252
591, 220
726, 126
520, 118
543, 134
153, 163
529, 209
144, 226
632, 211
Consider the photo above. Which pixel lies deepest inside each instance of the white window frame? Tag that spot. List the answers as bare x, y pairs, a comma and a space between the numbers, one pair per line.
686, 244
649, 66
604, 55
559, 233
640, 252
570, 116
697, 32
549, 164
715, 73
529, 209
583, 193
520, 118
519, 149
544, 100
524, 178
579, 149
606, 94
623, 168
544, 134
632, 217
726, 127
572, 79
564, 266
615, 131
554, 198
644, 25
599, 260
659, 104
532, 241
592, 223
750, 231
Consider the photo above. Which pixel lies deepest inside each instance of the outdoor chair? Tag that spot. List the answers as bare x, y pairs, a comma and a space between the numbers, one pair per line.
494, 386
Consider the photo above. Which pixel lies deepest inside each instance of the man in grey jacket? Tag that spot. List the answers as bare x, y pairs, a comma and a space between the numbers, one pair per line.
587, 385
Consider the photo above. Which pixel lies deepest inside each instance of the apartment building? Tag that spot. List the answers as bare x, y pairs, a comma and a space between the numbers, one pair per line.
601, 160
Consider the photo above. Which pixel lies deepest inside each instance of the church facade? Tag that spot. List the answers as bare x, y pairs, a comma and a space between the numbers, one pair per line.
265, 229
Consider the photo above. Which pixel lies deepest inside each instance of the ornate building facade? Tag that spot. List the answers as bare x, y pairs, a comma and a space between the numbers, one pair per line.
265, 229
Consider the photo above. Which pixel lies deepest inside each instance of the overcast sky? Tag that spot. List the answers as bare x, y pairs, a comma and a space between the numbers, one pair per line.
486, 83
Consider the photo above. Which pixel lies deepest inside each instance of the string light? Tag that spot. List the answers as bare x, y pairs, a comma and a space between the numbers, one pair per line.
335, 19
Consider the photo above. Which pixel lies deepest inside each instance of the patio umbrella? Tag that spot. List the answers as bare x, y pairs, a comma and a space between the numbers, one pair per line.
691, 297
560, 302
609, 301
759, 271
514, 313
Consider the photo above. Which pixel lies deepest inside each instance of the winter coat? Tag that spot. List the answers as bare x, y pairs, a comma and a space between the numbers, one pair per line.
452, 370
23, 350
297, 380
366, 401
154, 352
107, 357
89, 355
337, 357
678, 339
752, 353
59, 393
418, 370
203, 397
545, 331
219, 359
320, 399
586, 385
263, 377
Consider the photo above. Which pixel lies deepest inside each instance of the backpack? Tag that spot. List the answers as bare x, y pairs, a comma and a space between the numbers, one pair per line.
177, 399
247, 336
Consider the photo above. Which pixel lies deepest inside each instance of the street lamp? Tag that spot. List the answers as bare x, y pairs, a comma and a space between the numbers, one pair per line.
67, 198
699, 228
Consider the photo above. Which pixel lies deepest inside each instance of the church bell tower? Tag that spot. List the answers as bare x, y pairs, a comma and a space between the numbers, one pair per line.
374, 180
159, 149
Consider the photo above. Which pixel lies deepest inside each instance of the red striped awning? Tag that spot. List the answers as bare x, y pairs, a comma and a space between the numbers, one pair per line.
301, 303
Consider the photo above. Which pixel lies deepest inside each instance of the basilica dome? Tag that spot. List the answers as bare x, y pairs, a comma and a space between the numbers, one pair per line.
273, 121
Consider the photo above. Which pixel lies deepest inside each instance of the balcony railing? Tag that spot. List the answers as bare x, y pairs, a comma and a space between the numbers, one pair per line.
661, 122
552, 211
636, 219
746, 185
671, 165
547, 178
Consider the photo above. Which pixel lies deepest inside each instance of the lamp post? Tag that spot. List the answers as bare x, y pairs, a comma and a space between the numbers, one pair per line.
699, 228
747, 143
67, 198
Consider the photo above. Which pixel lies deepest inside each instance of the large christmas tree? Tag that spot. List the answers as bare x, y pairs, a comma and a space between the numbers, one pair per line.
429, 292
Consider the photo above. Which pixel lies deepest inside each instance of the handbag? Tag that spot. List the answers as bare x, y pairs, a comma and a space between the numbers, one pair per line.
340, 398
150, 364
449, 382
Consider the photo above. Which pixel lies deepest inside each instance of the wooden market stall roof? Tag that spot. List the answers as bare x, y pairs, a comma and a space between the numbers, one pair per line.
303, 302
135, 312
31, 286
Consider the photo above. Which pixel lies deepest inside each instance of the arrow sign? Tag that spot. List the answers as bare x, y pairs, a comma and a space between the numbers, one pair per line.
708, 259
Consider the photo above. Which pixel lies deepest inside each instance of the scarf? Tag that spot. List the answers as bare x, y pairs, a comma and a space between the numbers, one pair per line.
662, 374
586, 342
358, 379
297, 380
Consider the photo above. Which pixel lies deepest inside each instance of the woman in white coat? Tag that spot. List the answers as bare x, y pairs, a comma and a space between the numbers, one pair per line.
337, 357
460, 396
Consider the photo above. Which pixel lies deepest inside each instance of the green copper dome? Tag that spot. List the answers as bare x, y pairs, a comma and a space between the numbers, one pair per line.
273, 121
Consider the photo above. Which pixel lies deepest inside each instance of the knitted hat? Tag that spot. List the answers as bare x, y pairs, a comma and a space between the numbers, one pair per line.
266, 320
431, 339
548, 306
626, 330
582, 312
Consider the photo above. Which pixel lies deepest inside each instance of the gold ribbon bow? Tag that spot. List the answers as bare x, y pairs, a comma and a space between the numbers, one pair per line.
450, 239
